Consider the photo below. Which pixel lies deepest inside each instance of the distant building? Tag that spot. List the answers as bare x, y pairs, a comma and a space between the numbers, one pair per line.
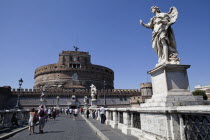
199, 87
146, 93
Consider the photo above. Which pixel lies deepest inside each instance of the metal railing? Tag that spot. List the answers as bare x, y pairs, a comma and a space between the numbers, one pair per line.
196, 126
136, 120
121, 117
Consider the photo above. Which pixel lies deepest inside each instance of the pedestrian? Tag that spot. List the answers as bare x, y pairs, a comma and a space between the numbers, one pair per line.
42, 115
14, 120
70, 112
81, 110
54, 113
49, 113
87, 113
31, 122
102, 110
75, 113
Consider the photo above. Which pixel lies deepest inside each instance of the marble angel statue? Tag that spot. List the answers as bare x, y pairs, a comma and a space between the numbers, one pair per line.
163, 39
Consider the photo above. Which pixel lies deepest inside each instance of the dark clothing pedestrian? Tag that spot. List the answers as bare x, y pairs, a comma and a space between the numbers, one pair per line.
87, 113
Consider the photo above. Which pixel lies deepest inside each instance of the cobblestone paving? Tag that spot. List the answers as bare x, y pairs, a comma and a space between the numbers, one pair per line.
62, 128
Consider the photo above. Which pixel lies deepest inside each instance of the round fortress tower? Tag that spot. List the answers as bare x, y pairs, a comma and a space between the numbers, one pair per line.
73, 71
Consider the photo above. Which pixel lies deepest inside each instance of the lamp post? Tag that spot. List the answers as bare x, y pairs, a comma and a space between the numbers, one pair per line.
18, 99
104, 94
57, 103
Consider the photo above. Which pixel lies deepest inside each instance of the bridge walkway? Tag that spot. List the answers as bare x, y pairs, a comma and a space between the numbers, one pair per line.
63, 128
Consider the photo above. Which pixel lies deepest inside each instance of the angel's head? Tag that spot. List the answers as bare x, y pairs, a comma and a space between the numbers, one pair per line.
155, 9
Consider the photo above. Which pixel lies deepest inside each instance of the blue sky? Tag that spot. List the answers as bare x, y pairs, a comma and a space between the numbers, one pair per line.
34, 32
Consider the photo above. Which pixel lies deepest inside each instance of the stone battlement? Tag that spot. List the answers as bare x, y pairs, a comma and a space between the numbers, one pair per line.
77, 92
75, 52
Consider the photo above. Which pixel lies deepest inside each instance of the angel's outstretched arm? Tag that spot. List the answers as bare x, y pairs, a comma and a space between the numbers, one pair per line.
149, 25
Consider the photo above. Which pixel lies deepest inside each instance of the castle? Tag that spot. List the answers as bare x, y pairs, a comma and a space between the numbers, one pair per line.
73, 71
67, 82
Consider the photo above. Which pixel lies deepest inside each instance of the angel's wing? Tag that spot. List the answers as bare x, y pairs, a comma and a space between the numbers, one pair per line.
173, 13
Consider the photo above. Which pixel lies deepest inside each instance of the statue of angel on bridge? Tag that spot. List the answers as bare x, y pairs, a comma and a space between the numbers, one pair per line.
163, 39
93, 92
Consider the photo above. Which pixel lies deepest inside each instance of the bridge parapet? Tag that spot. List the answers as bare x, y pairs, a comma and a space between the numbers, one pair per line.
161, 122
9, 117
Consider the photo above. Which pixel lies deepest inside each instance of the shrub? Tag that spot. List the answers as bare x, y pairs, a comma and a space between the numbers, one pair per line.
200, 93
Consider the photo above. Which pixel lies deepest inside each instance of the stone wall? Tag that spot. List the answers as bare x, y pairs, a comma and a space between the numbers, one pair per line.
5, 93
31, 98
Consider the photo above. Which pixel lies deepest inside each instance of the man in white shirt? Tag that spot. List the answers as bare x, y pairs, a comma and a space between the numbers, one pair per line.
75, 113
70, 112
102, 110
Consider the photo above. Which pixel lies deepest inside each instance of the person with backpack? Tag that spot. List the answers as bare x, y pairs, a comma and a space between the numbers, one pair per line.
42, 116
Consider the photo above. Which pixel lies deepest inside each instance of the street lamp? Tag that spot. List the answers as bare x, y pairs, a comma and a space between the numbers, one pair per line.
104, 94
58, 99
18, 99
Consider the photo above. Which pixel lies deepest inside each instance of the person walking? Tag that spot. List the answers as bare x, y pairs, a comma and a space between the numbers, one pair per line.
87, 113
81, 111
54, 113
42, 115
70, 112
49, 113
75, 113
102, 110
31, 121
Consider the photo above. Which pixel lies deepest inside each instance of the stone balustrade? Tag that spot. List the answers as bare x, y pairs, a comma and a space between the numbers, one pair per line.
6, 117
168, 123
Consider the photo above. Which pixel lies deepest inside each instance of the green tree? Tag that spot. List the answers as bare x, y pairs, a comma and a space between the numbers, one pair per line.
200, 93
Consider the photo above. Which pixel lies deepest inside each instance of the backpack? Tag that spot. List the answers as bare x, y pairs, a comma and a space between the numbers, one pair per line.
41, 113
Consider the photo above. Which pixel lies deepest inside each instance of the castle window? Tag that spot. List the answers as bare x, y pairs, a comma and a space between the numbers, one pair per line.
71, 59
78, 59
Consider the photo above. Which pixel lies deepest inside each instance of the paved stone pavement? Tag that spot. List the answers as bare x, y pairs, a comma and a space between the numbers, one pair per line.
62, 128
109, 132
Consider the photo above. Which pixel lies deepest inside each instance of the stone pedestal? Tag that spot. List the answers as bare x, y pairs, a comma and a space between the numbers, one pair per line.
43, 102
171, 87
94, 103
85, 106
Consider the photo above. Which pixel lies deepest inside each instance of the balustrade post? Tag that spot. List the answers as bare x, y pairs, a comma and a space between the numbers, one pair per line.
181, 123
126, 122
99, 115
131, 119
115, 119
107, 112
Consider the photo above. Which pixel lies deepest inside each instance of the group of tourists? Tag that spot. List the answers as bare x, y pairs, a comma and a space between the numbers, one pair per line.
40, 116
94, 114
71, 112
